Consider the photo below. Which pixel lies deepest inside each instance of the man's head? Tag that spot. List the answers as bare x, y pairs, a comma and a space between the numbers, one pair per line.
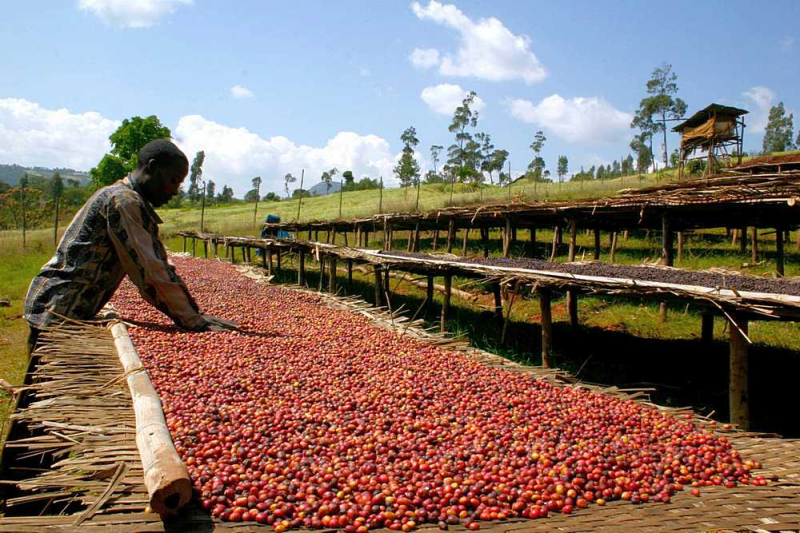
162, 168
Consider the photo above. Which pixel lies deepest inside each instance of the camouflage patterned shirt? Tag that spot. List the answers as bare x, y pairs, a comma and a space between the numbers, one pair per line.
115, 233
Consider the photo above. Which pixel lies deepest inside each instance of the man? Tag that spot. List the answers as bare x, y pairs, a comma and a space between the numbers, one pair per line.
116, 233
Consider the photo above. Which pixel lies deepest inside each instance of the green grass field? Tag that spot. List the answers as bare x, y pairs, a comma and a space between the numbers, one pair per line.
612, 333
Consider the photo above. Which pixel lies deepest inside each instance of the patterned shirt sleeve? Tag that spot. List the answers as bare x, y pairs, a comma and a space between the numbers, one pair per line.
145, 261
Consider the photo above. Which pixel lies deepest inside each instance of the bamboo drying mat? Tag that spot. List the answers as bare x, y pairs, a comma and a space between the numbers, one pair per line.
80, 411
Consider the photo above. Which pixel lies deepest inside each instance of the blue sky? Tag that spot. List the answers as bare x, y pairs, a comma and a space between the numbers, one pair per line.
267, 88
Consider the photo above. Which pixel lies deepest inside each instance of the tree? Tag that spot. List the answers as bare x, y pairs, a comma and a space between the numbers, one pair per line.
288, 178
483, 153
195, 175
436, 149
126, 142
563, 167
644, 155
73, 183
298, 193
210, 190
349, 179
661, 87
601, 173
226, 195
779, 130
257, 186
463, 117
407, 169
536, 167
56, 191
327, 179
497, 161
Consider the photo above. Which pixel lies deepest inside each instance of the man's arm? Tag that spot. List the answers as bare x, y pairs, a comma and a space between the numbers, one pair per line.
145, 261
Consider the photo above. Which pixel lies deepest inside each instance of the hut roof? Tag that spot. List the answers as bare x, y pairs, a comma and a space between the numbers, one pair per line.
704, 114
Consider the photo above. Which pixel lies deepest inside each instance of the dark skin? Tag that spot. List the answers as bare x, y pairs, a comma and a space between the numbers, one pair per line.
159, 184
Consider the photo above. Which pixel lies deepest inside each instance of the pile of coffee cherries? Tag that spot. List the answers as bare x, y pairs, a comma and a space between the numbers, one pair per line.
314, 417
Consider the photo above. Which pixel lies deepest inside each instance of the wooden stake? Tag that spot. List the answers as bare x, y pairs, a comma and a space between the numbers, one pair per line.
435, 240
596, 244
666, 241
378, 286
301, 267
415, 248
465, 243
332, 275
485, 241
662, 312
507, 238
448, 285
184, 243
779, 252
613, 252
572, 307
573, 235
707, 328
547, 326
321, 272
738, 390
556, 232
451, 235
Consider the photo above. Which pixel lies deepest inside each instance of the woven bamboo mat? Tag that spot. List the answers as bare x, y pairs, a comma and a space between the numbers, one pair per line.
78, 411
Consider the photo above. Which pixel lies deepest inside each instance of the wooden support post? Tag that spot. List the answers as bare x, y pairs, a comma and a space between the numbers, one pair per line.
485, 241
391, 239
316, 235
378, 286
596, 244
743, 240
666, 241
572, 307
573, 244
738, 393
332, 235
513, 235
547, 326
194, 247
779, 252
533, 241
429, 292
268, 256
466, 242
301, 267
321, 272
435, 240
184, 243
358, 235
205, 249
216, 255
345, 239
556, 232
264, 253
507, 238
233, 254
448, 285
754, 246
385, 233
680, 246
613, 252
410, 243
662, 312
366, 239
498, 300
350, 272
415, 248
278, 259
707, 327
451, 235
309, 236
332, 275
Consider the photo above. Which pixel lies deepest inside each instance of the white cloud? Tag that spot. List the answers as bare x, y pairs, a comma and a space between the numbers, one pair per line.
444, 98
589, 119
33, 136
487, 49
241, 93
131, 13
762, 97
235, 155
424, 59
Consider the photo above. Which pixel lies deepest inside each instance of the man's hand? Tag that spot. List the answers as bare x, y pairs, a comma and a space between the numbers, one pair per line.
214, 323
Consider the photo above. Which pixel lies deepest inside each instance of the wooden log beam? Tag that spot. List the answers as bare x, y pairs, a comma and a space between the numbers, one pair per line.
169, 486
738, 390
448, 284
547, 326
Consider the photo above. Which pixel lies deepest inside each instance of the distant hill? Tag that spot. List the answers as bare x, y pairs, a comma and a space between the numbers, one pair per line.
11, 174
320, 189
